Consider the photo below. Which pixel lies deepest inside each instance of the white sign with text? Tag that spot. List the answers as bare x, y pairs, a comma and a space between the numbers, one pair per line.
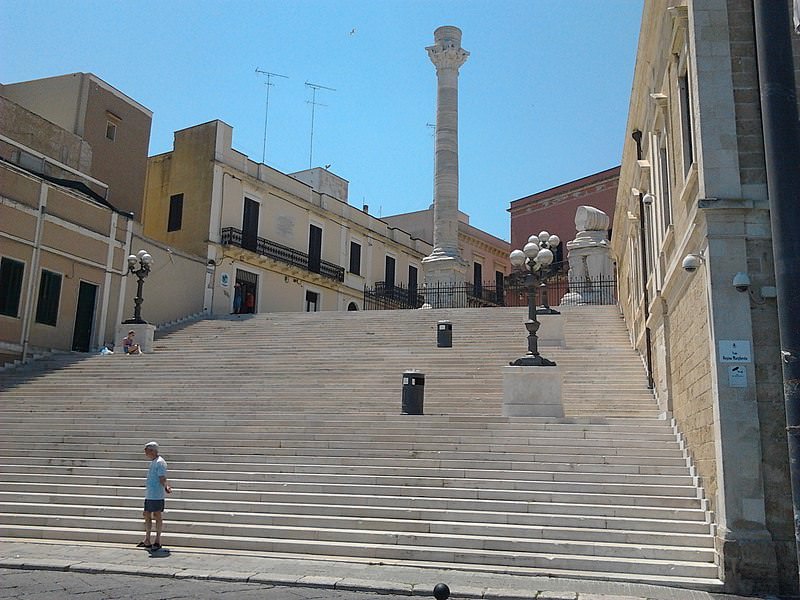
734, 351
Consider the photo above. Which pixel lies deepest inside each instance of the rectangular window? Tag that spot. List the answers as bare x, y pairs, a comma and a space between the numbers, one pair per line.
314, 248
49, 294
11, 272
250, 225
666, 199
175, 212
686, 122
389, 277
111, 130
355, 258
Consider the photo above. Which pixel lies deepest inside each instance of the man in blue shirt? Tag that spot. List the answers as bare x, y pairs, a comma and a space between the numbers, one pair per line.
156, 486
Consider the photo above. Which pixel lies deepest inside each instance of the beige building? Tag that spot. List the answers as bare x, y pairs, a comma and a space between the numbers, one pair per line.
273, 241
114, 128
68, 146
691, 214
63, 247
486, 254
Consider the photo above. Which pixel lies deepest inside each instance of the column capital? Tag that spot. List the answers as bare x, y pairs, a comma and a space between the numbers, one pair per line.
447, 56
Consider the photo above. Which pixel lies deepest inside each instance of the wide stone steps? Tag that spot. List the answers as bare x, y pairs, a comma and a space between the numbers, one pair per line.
696, 574
585, 529
283, 434
654, 523
360, 480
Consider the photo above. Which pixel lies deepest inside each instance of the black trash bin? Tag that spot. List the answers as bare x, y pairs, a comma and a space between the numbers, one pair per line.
444, 334
413, 392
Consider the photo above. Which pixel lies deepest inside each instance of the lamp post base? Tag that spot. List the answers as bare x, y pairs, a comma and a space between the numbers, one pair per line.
532, 360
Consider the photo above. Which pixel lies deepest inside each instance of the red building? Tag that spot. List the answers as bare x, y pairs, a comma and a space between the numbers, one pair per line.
553, 210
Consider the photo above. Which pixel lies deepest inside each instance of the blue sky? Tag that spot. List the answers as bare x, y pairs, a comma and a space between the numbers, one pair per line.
543, 97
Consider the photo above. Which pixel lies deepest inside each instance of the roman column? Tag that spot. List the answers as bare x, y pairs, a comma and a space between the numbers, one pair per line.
445, 265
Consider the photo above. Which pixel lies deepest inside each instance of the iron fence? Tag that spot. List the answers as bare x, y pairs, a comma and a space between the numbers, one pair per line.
513, 292
233, 237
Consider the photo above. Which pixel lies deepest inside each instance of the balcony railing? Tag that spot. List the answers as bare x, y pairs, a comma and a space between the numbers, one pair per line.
233, 237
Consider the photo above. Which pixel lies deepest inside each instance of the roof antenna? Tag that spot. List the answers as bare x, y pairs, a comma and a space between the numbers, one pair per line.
268, 85
313, 102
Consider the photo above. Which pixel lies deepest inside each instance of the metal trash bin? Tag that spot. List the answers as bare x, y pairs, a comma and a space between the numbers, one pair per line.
413, 392
444, 334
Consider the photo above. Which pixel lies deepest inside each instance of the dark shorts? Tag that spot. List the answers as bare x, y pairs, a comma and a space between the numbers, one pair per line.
153, 506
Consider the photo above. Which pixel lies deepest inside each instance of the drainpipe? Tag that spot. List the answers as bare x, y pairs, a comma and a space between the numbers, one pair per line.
782, 155
637, 137
34, 274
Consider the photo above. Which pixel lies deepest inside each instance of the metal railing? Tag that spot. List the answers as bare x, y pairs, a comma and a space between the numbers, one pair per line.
233, 237
557, 291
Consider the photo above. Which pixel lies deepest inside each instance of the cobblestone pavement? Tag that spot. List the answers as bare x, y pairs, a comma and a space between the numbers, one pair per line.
59, 585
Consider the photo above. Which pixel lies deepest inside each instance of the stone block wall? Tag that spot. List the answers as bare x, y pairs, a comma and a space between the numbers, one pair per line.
692, 395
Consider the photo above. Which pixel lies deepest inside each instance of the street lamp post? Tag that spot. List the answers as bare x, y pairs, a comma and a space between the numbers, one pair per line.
534, 261
139, 264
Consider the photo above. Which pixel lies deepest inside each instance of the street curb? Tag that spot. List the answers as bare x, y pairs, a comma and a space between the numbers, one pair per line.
307, 581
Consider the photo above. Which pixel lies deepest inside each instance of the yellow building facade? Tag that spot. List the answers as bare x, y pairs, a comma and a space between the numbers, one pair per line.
273, 241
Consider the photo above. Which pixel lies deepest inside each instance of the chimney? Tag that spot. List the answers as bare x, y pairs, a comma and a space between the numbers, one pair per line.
366, 208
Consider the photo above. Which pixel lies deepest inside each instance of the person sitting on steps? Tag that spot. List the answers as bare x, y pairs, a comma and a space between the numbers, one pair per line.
129, 345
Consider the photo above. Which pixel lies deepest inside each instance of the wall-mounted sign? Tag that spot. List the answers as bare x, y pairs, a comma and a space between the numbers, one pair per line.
737, 376
224, 279
734, 351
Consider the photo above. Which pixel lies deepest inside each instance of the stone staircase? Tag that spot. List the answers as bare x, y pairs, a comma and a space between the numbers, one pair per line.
283, 434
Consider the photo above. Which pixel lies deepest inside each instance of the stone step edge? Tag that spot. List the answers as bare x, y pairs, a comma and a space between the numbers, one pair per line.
423, 489
186, 513
427, 540
348, 479
441, 504
602, 562
319, 509
281, 579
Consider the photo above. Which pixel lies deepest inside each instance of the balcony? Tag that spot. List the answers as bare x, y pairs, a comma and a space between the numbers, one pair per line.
233, 237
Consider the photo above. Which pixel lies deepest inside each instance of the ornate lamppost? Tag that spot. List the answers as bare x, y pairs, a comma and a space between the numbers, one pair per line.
139, 264
534, 262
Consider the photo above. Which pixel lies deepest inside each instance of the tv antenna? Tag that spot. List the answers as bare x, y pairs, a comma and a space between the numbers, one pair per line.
268, 85
313, 102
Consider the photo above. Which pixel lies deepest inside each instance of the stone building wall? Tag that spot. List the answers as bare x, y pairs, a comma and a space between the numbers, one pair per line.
691, 394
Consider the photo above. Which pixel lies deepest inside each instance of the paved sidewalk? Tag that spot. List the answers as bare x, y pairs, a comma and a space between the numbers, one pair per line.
326, 572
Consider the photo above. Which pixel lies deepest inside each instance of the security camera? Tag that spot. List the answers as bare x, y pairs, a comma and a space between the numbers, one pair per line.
648, 198
692, 262
741, 282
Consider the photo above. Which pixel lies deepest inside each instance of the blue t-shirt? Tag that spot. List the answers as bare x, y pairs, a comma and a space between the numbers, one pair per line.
158, 469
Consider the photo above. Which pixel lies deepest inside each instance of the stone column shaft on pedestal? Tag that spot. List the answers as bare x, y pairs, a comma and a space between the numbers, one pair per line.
444, 263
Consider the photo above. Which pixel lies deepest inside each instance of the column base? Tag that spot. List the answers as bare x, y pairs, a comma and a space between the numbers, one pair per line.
444, 270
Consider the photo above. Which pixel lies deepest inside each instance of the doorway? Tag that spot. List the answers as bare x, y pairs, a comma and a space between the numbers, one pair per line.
245, 292
84, 317
312, 301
